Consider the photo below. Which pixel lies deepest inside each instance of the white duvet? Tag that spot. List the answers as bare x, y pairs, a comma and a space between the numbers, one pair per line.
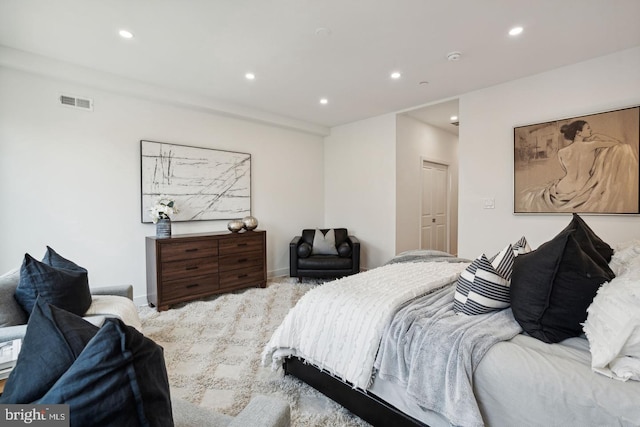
356, 310
613, 320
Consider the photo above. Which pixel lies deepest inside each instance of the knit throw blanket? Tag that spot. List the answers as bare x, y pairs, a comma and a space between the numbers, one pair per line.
433, 352
338, 326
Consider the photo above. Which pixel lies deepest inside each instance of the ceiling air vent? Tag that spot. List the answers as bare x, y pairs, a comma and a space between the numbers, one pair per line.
76, 102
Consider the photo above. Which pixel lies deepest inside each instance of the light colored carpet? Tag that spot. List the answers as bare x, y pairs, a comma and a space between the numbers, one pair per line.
212, 350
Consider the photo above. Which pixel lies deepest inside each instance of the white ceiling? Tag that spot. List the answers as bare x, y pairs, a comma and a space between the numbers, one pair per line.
205, 47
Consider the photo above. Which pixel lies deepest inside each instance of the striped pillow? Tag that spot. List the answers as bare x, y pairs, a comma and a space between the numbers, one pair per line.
463, 286
521, 247
502, 265
489, 291
503, 262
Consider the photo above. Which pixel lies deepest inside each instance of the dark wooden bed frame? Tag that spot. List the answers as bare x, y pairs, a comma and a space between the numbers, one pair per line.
367, 406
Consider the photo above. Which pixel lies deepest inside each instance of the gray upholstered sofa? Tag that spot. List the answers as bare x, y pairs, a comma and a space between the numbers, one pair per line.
262, 411
13, 319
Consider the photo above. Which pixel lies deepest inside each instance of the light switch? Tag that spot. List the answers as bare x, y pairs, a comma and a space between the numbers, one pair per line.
489, 203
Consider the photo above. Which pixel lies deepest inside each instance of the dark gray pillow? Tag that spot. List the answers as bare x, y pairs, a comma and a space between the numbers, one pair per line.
304, 250
552, 286
344, 250
11, 313
65, 288
585, 233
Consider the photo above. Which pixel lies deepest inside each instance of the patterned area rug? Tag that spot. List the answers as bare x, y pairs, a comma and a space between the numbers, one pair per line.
213, 347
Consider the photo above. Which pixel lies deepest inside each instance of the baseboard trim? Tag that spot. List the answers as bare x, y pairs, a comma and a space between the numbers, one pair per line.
278, 273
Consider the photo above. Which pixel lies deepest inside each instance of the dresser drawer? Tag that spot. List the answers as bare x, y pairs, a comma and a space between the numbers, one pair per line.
240, 260
186, 250
241, 244
189, 267
188, 288
253, 275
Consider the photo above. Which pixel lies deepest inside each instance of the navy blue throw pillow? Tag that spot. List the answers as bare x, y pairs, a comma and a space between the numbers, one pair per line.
52, 342
54, 259
112, 376
105, 385
60, 284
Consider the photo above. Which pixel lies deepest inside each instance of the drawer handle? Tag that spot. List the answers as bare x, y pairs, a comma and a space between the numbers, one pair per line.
242, 276
193, 285
243, 260
191, 250
192, 268
242, 244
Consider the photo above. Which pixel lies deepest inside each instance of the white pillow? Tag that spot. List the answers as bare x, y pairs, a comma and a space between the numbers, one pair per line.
624, 257
324, 244
613, 323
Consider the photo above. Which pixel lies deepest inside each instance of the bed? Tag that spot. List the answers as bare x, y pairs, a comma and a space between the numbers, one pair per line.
388, 345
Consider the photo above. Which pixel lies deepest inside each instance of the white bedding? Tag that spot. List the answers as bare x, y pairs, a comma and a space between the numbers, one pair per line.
526, 382
433, 352
613, 320
356, 310
521, 381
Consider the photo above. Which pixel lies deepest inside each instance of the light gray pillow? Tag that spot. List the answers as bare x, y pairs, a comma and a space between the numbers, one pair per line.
324, 244
11, 313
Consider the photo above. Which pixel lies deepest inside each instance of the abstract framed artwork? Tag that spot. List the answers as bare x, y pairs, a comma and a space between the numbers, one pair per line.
585, 164
206, 184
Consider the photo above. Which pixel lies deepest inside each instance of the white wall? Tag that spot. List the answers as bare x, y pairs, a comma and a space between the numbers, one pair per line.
360, 185
71, 179
487, 118
417, 141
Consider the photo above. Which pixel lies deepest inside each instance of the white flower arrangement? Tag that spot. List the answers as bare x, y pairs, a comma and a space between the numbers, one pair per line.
163, 208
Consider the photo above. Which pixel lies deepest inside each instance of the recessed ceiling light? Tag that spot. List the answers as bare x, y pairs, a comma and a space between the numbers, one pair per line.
453, 118
250, 76
515, 31
125, 34
396, 75
324, 101
323, 32
454, 56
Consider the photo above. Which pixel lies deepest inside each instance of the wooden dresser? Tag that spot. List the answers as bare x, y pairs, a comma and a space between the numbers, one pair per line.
190, 266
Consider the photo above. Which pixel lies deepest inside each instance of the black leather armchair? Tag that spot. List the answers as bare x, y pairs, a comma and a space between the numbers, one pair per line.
303, 263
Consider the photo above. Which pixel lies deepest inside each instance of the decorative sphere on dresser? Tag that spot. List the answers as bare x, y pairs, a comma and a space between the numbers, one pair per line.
235, 225
250, 223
